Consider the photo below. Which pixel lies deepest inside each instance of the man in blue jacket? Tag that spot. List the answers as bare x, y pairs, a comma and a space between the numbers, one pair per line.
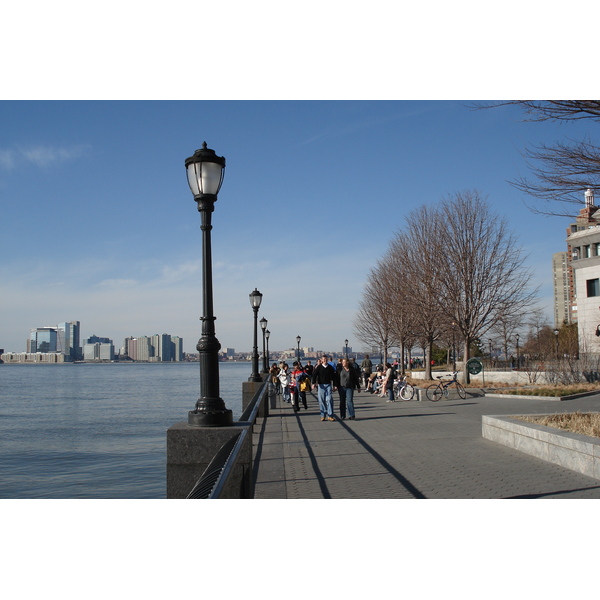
324, 377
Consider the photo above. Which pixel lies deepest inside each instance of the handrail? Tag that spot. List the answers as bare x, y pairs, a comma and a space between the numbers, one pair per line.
211, 484
212, 473
228, 467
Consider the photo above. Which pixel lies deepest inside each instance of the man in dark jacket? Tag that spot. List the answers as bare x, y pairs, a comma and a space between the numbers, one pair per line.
324, 378
348, 380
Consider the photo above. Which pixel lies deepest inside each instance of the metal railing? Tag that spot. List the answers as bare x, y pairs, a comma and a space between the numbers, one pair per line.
215, 481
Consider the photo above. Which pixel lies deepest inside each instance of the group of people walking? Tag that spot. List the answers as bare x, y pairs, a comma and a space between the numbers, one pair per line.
326, 378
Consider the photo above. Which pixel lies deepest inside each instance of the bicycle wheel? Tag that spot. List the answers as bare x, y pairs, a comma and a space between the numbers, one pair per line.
407, 392
461, 390
434, 392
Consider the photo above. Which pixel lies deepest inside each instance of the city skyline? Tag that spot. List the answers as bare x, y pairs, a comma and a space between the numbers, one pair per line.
313, 192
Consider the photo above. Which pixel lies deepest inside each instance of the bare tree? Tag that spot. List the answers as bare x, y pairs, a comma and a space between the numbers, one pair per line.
419, 262
403, 320
455, 269
506, 328
373, 323
562, 170
484, 273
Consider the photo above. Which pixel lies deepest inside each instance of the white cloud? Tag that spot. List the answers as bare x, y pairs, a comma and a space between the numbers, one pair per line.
40, 155
7, 159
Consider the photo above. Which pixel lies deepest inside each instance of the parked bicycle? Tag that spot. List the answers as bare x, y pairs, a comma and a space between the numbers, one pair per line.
436, 390
403, 390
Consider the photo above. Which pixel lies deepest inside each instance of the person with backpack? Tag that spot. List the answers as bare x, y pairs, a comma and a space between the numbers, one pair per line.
299, 384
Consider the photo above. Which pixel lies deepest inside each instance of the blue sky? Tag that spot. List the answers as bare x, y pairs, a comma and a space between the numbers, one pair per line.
98, 223
99, 110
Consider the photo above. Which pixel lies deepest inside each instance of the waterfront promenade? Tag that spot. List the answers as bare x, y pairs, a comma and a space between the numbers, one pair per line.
407, 450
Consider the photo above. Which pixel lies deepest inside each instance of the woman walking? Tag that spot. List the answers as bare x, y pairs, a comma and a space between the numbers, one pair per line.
284, 381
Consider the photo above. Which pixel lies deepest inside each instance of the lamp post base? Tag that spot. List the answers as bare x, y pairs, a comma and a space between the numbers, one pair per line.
218, 418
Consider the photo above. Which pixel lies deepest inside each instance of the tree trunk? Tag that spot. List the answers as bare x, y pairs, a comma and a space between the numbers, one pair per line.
466, 356
428, 353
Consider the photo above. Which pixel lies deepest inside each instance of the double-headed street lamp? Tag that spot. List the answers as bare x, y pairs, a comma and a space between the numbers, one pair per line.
263, 326
205, 171
255, 300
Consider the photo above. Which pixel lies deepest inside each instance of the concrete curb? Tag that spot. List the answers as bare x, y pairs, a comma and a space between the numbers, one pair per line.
551, 398
579, 453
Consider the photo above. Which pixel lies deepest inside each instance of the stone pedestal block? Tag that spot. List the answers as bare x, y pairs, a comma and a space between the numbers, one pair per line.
249, 389
190, 450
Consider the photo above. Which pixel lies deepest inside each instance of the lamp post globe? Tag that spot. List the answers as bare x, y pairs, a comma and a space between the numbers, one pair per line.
205, 171
255, 300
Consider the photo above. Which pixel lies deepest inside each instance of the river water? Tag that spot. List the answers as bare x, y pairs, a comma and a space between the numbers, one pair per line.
97, 430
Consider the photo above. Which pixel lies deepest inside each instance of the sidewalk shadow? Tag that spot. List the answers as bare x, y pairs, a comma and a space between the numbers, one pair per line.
385, 464
557, 493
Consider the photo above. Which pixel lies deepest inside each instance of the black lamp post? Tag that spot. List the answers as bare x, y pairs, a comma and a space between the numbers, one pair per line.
490, 344
518, 360
263, 326
346, 342
255, 300
205, 171
267, 336
298, 338
556, 332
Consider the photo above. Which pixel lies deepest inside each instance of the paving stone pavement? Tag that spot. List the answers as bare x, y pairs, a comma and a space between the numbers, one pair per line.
407, 450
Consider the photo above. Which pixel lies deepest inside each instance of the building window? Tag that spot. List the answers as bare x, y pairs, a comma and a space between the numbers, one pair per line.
593, 287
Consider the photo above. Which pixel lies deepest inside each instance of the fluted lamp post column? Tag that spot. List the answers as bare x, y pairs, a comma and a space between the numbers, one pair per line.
263, 326
205, 171
255, 300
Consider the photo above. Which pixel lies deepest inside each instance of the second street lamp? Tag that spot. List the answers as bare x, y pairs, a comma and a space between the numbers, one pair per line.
205, 174
267, 336
255, 300
263, 326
